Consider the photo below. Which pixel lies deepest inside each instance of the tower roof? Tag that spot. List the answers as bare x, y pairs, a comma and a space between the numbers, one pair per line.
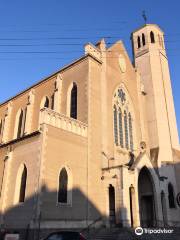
146, 25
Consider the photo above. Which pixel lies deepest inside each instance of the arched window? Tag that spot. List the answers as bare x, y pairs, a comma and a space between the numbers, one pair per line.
46, 103
126, 130
143, 40
73, 102
22, 191
130, 131
63, 186
139, 41
120, 129
122, 119
152, 37
115, 126
171, 196
20, 124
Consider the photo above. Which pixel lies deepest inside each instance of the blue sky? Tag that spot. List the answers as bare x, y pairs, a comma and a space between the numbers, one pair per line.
38, 37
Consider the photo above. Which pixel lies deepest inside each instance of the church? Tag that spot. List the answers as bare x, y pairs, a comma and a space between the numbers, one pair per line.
95, 144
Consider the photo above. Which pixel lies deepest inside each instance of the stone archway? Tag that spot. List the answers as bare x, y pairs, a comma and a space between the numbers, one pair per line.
146, 198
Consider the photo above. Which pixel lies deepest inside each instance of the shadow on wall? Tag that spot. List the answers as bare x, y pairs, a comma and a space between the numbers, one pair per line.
41, 213
35, 217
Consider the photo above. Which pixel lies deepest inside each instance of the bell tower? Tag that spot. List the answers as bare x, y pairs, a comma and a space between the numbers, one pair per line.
151, 60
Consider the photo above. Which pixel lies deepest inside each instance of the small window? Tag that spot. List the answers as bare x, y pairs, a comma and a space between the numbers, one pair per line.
171, 196
143, 40
152, 37
63, 186
73, 106
139, 41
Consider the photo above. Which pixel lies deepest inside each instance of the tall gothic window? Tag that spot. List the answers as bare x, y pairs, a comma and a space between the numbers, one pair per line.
20, 124
143, 40
73, 102
63, 186
126, 130
120, 129
152, 37
139, 41
23, 185
171, 196
115, 126
130, 131
122, 120
52, 101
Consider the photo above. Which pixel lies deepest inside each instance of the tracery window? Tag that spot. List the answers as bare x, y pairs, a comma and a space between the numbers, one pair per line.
126, 130
115, 126
122, 120
130, 131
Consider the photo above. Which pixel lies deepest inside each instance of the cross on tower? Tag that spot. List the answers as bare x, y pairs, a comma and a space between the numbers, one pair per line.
144, 16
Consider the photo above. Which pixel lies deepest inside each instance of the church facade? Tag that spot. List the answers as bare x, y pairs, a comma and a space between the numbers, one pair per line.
94, 144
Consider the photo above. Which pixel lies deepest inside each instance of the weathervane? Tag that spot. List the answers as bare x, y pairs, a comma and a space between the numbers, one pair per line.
144, 16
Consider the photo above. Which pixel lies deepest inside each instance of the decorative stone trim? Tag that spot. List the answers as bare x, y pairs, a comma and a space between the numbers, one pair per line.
59, 120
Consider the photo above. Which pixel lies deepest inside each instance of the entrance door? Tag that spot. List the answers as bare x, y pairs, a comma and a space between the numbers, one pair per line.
112, 215
146, 199
147, 210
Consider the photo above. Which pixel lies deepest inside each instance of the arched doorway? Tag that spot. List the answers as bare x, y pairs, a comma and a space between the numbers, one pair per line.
146, 199
112, 215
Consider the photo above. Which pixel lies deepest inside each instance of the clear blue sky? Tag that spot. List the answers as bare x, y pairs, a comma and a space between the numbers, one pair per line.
38, 26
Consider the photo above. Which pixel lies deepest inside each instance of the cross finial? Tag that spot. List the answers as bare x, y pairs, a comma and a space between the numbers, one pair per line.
144, 16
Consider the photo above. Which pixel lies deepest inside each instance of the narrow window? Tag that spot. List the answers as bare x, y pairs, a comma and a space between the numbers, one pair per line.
139, 42
63, 186
73, 106
126, 130
130, 132
171, 196
23, 185
46, 103
52, 102
152, 37
20, 124
143, 40
120, 129
24, 121
0, 127
115, 126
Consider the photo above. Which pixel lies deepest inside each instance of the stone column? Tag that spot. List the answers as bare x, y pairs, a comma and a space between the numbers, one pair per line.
29, 113
57, 93
7, 120
5, 185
